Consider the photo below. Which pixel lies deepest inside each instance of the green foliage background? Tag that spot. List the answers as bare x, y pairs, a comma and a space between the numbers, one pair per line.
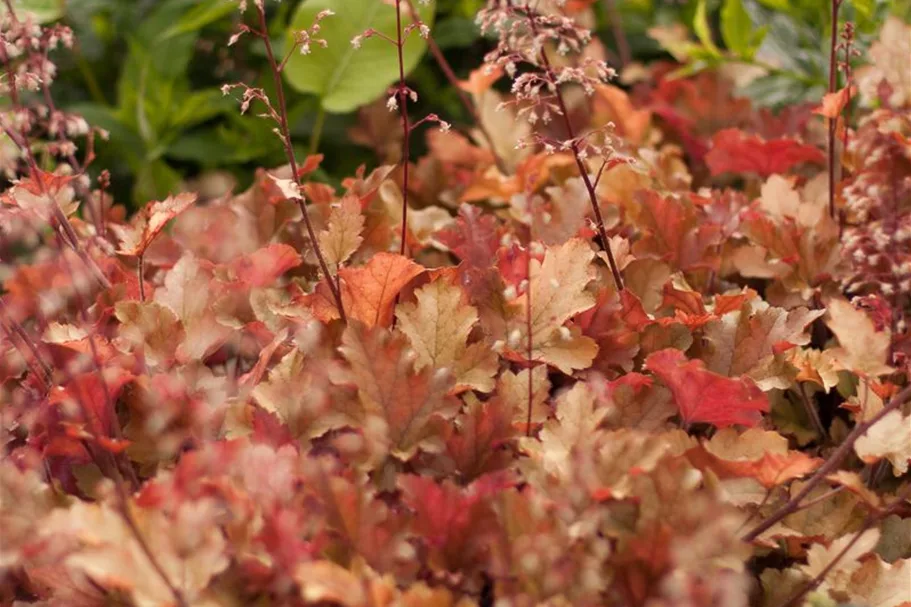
150, 71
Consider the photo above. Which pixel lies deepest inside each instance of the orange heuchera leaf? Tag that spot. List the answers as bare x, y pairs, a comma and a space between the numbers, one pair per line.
737, 152
675, 232
39, 194
262, 268
437, 326
299, 393
635, 401
833, 104
613, 104
324, 582
558, 292
365, 187
575, 428
703, 396
368, 292
475, 446
840, 557
879, 583
480, 80
310, 164
343, 236
149, 222
617, 342
289, 188
759, 454
190, 291
408, 405
748, 342
512, 390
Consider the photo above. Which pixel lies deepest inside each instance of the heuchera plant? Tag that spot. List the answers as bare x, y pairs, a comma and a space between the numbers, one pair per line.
602, 347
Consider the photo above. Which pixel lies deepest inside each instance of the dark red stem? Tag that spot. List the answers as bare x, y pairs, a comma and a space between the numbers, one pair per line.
292, 161
583, 171
406, 129
833, 461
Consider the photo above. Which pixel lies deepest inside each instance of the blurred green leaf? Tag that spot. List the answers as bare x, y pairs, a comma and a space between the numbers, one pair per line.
781, 89
865, 8
467, 8
456, 32
737, 30
155, 181
198, 17
198, 106
778, 5
43, 10
702, 29
342, 76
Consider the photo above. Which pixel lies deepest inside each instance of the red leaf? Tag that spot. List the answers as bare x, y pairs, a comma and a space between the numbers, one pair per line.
634, 314
676, 231
686, 302
83, 409
451, 519
474, 444
736, 152
263, 267
474, 238
310, 164
269, 430
703, 396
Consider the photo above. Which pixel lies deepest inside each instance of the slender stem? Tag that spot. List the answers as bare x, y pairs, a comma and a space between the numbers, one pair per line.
600, 173
60, 220
406, 130
848, 83
140, 270
127, 516
583, 171
24, 337
528, 339
103, 183
812, 413
317, 132
819, 577
820, 498
833, 122
871, 520
453, 80
829, 465
82, 306
288, 55
70, 157
292, 160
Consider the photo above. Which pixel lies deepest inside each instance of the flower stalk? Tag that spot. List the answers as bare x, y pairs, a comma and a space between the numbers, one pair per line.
524, 34
279, 115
